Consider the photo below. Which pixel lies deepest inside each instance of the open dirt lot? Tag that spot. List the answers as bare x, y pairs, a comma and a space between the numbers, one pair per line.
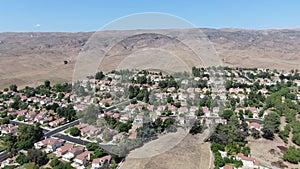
267, 151
190, 153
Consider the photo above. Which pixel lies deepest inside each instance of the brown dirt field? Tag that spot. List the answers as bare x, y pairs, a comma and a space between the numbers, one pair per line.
31, 58
267, 152
190, 153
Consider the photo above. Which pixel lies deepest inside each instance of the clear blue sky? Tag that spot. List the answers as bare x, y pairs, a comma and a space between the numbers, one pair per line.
91, 15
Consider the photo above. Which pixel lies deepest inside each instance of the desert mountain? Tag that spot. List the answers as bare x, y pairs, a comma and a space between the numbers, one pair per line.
31, 58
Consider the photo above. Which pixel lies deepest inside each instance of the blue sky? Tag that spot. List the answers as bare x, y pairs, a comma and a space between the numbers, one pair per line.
91, 15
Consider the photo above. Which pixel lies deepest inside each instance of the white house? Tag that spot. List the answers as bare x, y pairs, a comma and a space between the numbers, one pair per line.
83, 158
73, 152
98, 162
248, 161
51, 144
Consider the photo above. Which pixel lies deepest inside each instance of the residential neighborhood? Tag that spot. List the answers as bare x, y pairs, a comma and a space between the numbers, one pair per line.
132, 106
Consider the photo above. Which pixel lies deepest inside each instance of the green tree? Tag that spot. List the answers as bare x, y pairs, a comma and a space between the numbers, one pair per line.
292, 155
99, 75
99, 152
272, 120
246, 151
92, 146
199, 112
170, 99
22, 159
67, 112
29, 134
55, 162
4, 120
13, 87
90, 114
125, 127
38, 157
47, 84
196, 128
255, 133
10, 143
227, 114
268, 132
74, 131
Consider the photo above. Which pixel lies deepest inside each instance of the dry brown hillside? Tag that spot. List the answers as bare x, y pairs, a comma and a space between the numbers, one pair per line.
31, 58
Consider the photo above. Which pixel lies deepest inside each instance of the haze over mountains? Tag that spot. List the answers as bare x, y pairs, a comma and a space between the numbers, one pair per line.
31, 58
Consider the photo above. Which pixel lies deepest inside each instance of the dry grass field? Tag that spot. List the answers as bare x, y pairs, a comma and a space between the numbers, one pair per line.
174, 150
31, 58
188, 154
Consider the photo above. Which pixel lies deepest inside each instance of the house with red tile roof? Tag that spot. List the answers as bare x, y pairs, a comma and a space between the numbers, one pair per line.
118, 137
73, 152
254, 125
51, 144
21, 113
42, 118
56, 122
63, 149
30, 116
98, 162
116, 115
83, 158
248, 161
206, 111
255, 111
133, 135
228, 167
182, 110
124, 118
9, 128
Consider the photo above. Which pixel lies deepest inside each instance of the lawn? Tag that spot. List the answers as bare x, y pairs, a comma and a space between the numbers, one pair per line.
51, 156
29, 166
2, 148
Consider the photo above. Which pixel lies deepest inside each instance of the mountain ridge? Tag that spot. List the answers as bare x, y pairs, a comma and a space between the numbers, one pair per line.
28, 58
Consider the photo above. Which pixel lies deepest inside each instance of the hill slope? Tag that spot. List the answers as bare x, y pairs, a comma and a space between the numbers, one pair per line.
31, 58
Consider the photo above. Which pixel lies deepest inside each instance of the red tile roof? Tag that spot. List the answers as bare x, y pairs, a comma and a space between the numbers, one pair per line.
243, 157
254, 125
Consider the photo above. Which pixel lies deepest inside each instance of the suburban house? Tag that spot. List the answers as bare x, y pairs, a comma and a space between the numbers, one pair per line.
83, 158
8, 128
254, 125
73, 152
138, 121
228, 167
42, 118
248, 161
98, 162
30, 116
63, 149
118, 137
57, 122
51, 144
88, 130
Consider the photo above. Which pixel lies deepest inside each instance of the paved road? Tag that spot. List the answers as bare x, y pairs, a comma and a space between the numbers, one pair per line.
119, 105
210, 117
254, 120
61, 128
71, 139
245, 76
79, 141
18, 123
3, 156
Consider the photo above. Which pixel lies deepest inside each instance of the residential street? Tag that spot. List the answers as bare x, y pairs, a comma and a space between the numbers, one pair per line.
3, 156
62, 128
